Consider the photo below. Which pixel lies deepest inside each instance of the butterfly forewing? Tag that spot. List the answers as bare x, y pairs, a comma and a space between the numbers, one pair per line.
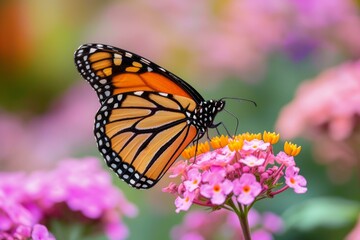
112, 71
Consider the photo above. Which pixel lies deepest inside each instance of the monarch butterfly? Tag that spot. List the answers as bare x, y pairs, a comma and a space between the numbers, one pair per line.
148, 116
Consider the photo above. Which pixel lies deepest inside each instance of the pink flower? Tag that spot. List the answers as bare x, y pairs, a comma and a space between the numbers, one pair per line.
331, 123
233, 186
79, 186
246, 188
40, 232
184, 203
261, 234
252, 161
285, 159
295, 181
355, 232
255, 145
272, 222
249, 170
116, 229
177, 169
214, 175
235, 29
194, 180
216, 191
335, 112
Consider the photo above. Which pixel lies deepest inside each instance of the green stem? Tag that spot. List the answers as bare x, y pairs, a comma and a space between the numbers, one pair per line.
243, 218
242, 213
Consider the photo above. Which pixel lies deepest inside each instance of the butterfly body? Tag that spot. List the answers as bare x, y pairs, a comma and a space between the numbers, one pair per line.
148, 115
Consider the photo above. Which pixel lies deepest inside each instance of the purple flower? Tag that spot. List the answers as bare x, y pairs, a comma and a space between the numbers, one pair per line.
246, 188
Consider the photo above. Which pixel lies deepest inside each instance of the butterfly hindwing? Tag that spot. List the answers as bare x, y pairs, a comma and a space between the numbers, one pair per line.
140, 134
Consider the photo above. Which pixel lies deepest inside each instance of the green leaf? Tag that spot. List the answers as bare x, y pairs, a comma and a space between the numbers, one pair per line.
328, 212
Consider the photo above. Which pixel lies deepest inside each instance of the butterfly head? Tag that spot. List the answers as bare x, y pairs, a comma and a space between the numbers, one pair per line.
205, 114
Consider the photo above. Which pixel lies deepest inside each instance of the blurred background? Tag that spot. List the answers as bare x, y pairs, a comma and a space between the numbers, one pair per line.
297, 59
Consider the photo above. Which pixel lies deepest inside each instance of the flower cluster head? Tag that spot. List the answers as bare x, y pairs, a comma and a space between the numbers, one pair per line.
78, 191
240, 169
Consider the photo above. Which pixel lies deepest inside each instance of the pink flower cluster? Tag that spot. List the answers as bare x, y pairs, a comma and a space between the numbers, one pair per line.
326, 110
77, 191
243, 169
199, 225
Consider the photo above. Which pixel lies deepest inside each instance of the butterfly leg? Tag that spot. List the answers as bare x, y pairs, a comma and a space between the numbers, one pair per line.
216, 126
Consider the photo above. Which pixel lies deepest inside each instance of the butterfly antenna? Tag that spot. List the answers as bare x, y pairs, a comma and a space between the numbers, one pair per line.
239, 99
237, 120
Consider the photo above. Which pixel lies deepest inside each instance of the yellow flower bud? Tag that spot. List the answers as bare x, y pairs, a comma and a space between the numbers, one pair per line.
219, 142
291, 149
271, 138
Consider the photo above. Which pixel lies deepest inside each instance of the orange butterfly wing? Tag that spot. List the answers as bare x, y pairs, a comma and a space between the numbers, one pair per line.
111, 71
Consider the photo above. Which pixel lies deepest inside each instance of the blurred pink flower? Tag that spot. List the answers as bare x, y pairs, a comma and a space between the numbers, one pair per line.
225, 225
326, 27
17, 222
198, 40
272, 222
355, 233
40, 232
77, 187
326, 110
213, 41
64, 130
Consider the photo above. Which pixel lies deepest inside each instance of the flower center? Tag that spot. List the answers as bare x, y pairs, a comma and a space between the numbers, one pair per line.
217, 188
292, 180
246, 188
